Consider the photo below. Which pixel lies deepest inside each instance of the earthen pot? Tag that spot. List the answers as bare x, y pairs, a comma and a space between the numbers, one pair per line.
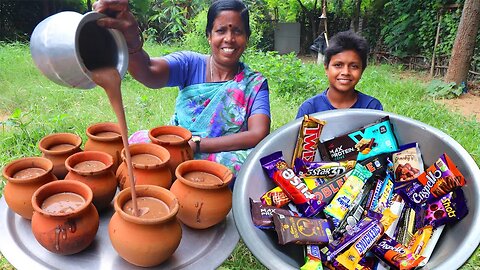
58, 147
204, 201
105, 137
66, 232
150, 166
143, 241
24, 176
94, 168
175, 140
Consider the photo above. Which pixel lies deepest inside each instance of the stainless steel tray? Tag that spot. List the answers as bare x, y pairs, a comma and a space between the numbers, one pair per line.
199, 249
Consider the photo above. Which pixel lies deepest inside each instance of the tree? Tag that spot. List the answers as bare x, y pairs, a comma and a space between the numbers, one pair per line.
464, 45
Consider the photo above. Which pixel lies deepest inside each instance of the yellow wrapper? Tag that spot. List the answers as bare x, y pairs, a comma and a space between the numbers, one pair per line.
308, 138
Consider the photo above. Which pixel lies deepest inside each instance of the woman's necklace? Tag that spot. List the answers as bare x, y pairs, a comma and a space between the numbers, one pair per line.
211, 69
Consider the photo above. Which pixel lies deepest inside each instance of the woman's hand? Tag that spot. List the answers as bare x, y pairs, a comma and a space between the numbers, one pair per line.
120, 18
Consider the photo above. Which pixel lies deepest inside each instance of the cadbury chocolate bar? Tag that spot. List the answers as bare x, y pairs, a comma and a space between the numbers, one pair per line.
262, 214
450, 208
308, 139
294, 187
321, 169
372, 140
395, 254
300, 230
313, 259
439, 179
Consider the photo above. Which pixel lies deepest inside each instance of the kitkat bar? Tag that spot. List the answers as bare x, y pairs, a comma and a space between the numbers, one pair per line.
308, 139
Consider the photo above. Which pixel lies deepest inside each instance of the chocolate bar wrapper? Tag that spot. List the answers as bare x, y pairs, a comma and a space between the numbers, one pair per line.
396, 207
340, 244
450, 208
262, 214
322, 170
299, 230
276, 197
343, 200
439, 179
419, 240
395, 254
294, 187
407, 163
312, 258
427, 253
355, 213
308, 138
371, 140
325, 192
406, 226
367, 240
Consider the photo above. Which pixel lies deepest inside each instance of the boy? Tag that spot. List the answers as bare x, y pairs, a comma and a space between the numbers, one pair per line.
345, 61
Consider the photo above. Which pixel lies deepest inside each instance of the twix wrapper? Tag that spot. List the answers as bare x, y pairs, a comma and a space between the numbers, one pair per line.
308, 138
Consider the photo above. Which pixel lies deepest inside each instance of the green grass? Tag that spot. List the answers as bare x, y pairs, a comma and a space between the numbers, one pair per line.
37, 107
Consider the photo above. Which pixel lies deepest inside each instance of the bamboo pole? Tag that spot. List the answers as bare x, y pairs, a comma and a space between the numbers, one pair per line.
437, 37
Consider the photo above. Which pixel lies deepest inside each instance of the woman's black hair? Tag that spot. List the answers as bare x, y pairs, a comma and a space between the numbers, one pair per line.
222, 5
344, 41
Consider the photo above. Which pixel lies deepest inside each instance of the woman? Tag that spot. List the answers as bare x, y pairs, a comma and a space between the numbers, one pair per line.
221, 100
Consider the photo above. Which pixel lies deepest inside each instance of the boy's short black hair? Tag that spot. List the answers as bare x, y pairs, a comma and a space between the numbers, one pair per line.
344, 41
222, 5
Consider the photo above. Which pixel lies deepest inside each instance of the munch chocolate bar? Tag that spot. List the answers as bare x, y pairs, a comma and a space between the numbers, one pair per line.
308, 138
372, 140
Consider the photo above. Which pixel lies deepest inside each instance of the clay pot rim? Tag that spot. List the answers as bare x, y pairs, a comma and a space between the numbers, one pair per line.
146, 191
68, 186
106, 159
109, 126
48, 167
179, 131
76, 141
156, 148
222, 172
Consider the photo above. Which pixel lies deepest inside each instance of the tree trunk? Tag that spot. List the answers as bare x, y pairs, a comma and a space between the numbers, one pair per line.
356, 16
89, 5
464, 45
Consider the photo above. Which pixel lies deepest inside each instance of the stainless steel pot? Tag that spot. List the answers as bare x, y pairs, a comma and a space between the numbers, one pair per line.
67, 46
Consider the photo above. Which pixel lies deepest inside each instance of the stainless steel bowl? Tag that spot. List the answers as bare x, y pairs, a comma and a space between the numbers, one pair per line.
457, 242
67, 46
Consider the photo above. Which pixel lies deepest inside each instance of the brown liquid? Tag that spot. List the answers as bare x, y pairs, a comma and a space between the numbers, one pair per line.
146, 159
149, 207
107, 134
109, 79
89, 166
28, 173
203, 177
62, 203
170, 138
61, 147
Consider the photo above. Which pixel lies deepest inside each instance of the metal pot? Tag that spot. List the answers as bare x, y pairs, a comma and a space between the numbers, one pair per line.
67, 46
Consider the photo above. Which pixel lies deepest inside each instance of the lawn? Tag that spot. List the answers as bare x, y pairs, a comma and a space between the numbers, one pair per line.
31, 107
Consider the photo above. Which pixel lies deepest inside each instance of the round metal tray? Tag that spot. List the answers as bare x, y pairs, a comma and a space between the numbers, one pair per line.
199, 249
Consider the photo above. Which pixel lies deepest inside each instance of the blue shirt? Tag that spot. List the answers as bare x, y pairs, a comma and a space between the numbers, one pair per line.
320, 103
188, 68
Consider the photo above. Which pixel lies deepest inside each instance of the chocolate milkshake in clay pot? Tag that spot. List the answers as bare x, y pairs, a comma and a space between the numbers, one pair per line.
28, 173
62, 203
109, 79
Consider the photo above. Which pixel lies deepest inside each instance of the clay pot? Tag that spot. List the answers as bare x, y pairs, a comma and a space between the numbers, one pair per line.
202, 204
101, 179
105, 137
178, 147
58, 147
146, 172
145, 242
64, 233
18, 191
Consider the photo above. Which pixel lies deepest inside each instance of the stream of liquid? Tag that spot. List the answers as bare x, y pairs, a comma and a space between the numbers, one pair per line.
109, 79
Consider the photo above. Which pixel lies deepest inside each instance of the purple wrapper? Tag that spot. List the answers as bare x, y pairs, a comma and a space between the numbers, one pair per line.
322, 169
395, 254
300, 230
450, 208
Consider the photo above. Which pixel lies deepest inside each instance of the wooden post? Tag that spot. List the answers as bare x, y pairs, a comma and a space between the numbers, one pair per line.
437, 37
